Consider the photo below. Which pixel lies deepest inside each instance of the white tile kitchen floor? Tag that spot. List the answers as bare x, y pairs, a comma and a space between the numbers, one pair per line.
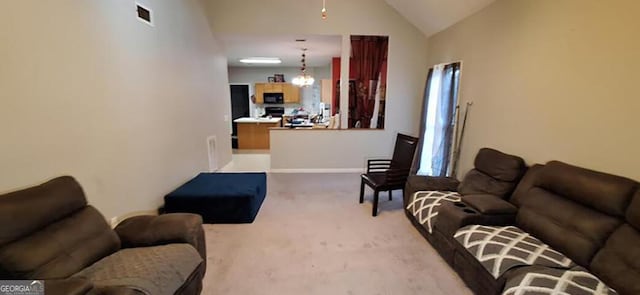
248, 161
237, 151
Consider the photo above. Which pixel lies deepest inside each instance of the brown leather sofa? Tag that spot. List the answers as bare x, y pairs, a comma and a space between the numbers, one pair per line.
49, 232
564, 227
494, 173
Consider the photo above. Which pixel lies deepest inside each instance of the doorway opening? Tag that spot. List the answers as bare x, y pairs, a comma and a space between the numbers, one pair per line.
244, 159
239, 108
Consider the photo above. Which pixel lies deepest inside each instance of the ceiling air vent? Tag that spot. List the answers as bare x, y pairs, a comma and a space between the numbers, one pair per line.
144, 14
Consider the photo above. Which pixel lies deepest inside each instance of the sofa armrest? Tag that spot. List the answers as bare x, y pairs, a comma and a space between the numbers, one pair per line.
489, 204
430, 183
417, 183
115, 290
70, 286
148, 230
453, 216
82, 286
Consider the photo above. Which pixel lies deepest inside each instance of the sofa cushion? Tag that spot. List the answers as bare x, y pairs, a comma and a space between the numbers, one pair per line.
572, 209
477, 182
499, 165
600, 191
495, 173
490, 204
33, 208
157, 270
501, 248
527, 182
61, 248
424, 205
575, 281
633, 212
573, 229
618, 263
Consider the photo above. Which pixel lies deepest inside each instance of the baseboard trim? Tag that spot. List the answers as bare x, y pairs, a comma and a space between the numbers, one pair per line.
319, 170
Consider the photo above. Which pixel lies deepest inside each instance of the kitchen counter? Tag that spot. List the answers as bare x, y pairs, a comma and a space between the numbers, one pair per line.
257, 120
308, 125
253, 133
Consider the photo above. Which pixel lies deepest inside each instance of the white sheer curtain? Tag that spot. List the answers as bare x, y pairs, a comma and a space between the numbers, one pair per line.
376, 105
439, 118
429, 135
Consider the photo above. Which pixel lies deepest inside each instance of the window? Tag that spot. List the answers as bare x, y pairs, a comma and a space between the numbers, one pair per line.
439, 118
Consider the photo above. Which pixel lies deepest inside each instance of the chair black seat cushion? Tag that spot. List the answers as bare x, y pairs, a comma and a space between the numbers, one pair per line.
220, 197
377, 181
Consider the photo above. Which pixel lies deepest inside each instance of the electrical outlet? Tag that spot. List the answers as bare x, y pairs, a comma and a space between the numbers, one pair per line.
226, 118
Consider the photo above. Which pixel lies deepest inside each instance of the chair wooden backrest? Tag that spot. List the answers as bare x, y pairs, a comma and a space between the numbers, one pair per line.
402, 159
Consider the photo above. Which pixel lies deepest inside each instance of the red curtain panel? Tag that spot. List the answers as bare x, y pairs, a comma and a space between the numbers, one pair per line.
369, 53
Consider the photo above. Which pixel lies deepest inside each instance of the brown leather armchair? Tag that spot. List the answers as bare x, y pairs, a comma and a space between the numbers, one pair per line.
49, 232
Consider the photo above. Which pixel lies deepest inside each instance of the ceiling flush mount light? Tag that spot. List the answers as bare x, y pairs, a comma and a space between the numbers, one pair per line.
303, 80
261, 60
324, 9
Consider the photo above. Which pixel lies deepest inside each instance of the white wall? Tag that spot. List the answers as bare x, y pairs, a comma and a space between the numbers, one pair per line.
88, 90
323, 150
551, 80
309, 96
406, 73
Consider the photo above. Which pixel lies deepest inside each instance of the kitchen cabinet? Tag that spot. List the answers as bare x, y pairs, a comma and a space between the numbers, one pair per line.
254, 133
259, 93
290, 92
274, 87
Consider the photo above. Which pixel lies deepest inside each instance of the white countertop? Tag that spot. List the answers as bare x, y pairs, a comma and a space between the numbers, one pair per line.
308, 124
257, 120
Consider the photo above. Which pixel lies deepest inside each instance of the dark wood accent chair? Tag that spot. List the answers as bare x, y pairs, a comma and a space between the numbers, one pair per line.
389, 174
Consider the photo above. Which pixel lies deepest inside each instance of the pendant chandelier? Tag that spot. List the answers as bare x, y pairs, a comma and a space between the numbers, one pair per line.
303, 80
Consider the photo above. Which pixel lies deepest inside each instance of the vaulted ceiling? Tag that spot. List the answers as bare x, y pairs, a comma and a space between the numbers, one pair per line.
321, 48
432, 16
429, 16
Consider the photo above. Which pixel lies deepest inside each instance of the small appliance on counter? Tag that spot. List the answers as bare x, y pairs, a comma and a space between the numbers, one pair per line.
325, 110
275, 112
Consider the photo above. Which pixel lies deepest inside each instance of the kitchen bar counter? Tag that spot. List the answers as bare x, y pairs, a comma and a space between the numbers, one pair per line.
308, 125
253, 133
301, 128
257, 120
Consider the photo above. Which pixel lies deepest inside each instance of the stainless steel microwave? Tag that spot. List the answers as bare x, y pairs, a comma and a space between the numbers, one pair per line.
273, 98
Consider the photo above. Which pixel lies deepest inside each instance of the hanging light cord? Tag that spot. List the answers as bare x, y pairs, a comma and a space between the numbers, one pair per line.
303, 80
324, 9
304, 63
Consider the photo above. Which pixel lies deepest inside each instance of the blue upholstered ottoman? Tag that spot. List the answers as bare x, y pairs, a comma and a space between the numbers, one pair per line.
220, 197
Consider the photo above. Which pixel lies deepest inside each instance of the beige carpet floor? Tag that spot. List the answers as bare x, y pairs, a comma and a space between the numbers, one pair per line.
312, 237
